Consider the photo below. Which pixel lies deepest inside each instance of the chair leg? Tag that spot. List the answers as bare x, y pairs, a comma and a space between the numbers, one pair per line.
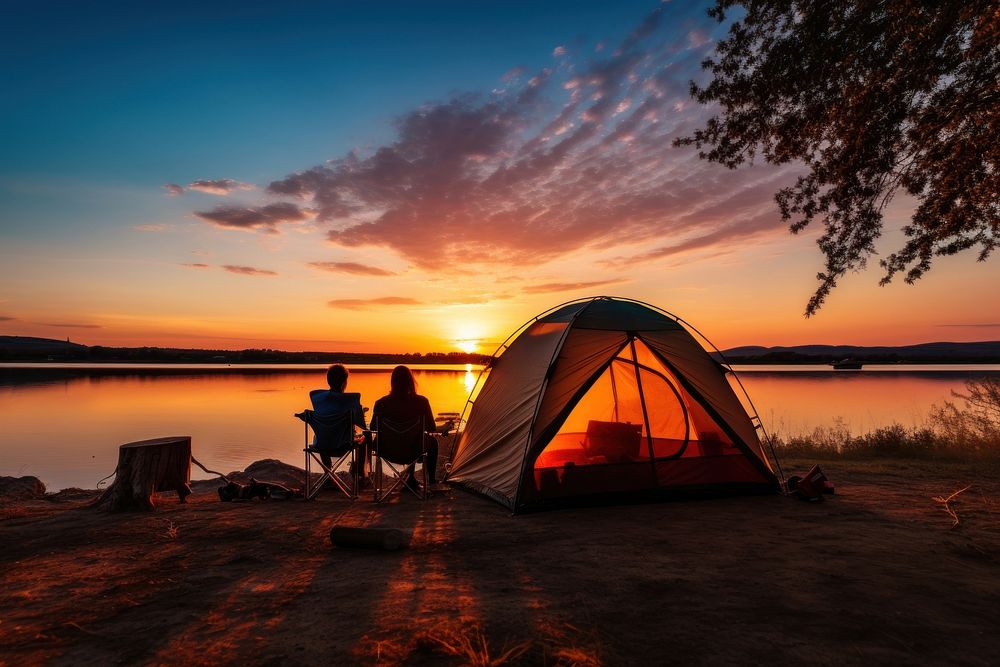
349, 489
309, 492
381, 493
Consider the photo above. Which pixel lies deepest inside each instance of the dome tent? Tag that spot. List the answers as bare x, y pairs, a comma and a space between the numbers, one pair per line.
606, 396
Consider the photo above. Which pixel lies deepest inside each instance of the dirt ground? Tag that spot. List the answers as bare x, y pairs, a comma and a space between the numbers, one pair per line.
873, 575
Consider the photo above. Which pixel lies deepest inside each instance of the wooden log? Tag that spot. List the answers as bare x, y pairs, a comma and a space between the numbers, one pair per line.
386, 539
148, 466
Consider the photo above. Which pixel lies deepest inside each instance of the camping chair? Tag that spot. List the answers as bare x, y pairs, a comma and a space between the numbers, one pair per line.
400, 444
334, 437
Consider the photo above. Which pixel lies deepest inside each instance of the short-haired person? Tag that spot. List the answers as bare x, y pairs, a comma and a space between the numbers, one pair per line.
335, 401
403, 404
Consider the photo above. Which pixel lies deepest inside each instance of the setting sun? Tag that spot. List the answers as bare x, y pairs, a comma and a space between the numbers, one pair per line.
468, 337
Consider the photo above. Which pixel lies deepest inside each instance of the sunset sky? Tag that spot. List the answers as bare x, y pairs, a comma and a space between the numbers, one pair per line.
400, 176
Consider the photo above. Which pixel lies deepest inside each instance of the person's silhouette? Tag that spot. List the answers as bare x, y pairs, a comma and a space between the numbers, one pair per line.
403, 403
336, 401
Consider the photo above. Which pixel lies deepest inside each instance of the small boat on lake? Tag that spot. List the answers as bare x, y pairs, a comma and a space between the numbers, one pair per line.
846, 365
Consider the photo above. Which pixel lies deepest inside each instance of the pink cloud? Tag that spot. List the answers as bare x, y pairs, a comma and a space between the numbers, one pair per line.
578, 157
195, 265
351, 268
153, 227
248, 270
513, 74
262, 218
70, 325
364, 304
173, 189
568, 287
219, 186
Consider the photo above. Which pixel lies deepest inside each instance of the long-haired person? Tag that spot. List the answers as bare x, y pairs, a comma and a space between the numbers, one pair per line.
403, 404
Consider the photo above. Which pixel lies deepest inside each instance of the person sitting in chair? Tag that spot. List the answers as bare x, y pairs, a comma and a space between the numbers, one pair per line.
403, 404
335, 401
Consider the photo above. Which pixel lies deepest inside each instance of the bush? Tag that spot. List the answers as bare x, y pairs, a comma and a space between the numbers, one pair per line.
969, 432
974, 428
837, 442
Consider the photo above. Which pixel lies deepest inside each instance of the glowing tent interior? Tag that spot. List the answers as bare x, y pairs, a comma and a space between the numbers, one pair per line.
602, 397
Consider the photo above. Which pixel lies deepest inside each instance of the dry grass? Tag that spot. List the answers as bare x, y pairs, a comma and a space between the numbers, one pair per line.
568, 646
469, 644
12, 512
561, 645
945, 503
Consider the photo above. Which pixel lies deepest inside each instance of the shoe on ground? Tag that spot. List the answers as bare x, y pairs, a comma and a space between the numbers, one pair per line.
412, 484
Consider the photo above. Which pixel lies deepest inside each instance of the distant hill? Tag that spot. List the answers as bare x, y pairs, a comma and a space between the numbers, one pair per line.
29, 343
987, 352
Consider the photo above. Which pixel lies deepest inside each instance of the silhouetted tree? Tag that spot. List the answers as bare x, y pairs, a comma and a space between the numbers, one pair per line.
873, 97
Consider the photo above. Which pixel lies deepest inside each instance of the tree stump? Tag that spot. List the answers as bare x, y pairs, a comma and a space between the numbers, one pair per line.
148, 466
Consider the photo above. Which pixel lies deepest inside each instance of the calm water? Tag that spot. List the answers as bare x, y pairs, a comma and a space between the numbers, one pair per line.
64, 424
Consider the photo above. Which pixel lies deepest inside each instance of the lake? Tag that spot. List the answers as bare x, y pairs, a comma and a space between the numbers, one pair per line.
63, 423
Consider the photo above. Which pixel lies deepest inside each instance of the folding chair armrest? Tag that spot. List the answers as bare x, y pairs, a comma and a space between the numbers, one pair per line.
304, 415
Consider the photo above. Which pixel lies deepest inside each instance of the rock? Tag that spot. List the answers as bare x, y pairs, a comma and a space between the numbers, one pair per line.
272, 470
266, 470
21, 488
73, 494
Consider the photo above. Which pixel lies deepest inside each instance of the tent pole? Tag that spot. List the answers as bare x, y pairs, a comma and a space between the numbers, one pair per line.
642, 402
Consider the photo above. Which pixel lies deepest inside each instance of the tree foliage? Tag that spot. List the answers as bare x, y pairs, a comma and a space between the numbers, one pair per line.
872, 97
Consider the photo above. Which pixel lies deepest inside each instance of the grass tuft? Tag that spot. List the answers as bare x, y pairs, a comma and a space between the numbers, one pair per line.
470, 645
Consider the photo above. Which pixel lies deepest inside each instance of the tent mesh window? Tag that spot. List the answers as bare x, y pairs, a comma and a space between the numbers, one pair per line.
635, 416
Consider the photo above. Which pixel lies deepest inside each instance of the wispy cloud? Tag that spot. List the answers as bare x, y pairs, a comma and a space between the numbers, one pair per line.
362, 304
219, 186
721, 238
476, 299
173, 189
152, 227
577, 156
7, 318
262, 218
197, 265
70, 325
350, 267
248, 270
568, 287
975, 325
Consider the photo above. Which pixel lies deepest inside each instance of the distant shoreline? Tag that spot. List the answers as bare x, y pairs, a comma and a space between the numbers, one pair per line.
14, 349
42, 350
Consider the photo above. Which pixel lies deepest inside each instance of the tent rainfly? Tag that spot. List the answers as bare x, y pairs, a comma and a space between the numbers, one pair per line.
605, 397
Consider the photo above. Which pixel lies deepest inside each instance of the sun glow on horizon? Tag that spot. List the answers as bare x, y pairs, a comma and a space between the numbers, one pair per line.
468, 336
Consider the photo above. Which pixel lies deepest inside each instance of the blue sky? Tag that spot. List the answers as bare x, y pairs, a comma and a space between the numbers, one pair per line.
335, 168
138, 93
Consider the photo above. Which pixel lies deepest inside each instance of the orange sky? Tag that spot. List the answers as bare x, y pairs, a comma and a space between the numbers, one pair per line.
367, 206
748, 294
